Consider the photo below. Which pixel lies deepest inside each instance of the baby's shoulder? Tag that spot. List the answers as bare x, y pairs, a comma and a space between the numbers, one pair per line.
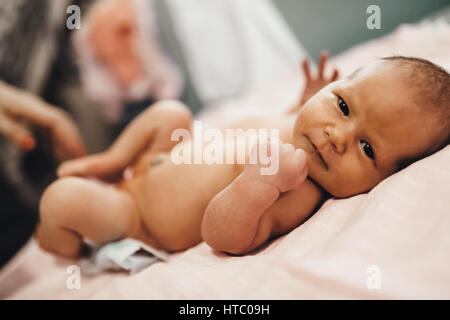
282, 123
276, 120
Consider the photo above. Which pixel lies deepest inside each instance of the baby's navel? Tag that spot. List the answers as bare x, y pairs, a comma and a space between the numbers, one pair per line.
159, 158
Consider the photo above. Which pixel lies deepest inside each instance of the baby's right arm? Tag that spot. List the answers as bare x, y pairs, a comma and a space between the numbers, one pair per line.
257, 207
151, 129
314, 83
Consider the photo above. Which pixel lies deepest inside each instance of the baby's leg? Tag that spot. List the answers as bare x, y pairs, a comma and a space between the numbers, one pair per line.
72, 208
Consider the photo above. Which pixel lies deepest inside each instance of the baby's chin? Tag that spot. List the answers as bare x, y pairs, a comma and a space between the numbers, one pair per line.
322, 179
330, 191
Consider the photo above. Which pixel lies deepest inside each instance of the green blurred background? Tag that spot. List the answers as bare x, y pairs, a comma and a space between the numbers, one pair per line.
337, 25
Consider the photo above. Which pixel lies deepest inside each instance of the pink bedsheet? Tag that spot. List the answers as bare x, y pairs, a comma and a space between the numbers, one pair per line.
395, 238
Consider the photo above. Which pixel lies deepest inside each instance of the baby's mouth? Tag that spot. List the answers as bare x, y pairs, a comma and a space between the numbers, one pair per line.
317, 153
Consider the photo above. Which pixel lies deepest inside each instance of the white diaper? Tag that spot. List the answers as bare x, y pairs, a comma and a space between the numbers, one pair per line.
127, 254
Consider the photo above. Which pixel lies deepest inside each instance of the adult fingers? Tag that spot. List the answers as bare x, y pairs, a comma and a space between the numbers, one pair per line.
24, 105
16, 132
66, 138
68, 150
19, 104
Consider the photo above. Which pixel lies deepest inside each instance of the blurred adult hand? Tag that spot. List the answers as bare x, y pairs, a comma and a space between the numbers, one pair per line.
20, 110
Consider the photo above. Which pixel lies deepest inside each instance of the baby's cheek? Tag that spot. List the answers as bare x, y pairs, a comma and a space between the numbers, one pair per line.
349, 179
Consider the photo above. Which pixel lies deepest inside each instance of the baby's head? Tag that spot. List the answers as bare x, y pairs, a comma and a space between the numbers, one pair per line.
359, 130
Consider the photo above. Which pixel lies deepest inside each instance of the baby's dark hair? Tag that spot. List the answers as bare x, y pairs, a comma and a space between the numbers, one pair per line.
433, 84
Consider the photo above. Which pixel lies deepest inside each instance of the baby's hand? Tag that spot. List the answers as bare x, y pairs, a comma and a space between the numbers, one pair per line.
102, 166
314, 84
290, 166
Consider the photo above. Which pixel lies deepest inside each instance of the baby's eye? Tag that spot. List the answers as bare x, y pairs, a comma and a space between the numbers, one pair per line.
343, 106
368, 149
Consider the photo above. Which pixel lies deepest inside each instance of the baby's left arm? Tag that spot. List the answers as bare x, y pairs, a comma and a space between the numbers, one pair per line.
257, 207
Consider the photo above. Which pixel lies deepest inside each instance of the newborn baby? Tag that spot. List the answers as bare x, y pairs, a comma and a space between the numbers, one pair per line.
344, 140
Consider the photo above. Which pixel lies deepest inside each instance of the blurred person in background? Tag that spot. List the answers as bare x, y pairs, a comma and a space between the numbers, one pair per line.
39, 73
34, 135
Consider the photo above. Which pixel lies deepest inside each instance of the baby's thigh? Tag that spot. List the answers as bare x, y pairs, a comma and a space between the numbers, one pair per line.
93, 209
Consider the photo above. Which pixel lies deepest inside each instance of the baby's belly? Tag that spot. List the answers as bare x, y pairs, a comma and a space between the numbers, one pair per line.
172, 198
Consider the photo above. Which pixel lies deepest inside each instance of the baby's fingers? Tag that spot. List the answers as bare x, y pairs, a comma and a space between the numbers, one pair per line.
102, 166
306, 70
301, 156
322, 63
71, 168
335, 75
16, 132
86, 166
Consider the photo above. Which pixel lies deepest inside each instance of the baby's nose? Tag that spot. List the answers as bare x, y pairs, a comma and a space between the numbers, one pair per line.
337, 138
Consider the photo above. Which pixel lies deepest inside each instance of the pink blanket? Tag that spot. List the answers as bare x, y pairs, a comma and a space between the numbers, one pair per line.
391, 243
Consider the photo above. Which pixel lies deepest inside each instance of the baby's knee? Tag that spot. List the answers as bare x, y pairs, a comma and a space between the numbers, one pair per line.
174, 112
58, 199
